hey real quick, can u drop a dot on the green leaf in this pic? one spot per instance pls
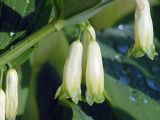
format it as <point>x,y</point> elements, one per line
<point>134,103</point>
<point>78,114</point>
<point>12,15</point>
<point>70,8</point>
<point>31,106</point>
<point>23,87</point>
<point>79,10</point>
<point>17,22</point>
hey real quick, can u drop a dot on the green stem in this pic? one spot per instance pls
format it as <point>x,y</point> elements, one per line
<point>1,77</point>
<point>28,43</point>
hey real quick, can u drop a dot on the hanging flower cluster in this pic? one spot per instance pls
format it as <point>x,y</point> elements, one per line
<point>85,61</point>
<point>9,99</point>
<point>92,68</point>
<point>143,31</point>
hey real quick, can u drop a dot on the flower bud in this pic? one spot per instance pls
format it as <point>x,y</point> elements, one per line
<point>94,74</point>
<point>91,31</point>
<point>88,35</point>
<point>2,105</point>
<point>143,31</point>
<point>11,94</point>
<point>85,42</point>
<point>72,73</point>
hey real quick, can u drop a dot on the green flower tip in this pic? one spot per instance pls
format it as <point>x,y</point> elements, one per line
<point>75,95</point>
<point>91,98</point>
<point>139,52</point>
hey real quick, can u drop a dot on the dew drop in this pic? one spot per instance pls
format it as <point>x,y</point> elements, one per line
<point>11,34</point>
<point>120,27</point>
<point>117,57</point>
<point>145,101</point>
<point>132,98</point>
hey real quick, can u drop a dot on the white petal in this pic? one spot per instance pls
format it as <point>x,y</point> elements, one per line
<point>11,94</point>
<point>2,105</point>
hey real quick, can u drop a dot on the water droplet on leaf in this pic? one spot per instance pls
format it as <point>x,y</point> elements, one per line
<point>145,101</point>
<point>132,98</point>
<point>117,57</point>
<point>11,34</point>
<point>120,27</point>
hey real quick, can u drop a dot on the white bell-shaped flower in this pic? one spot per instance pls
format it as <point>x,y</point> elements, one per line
<point>72,73</point>
<point>2,105</point>
<point>143,31</point>
<point>94,74</point>
<point>11,94</point>
<point>88,35</point>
